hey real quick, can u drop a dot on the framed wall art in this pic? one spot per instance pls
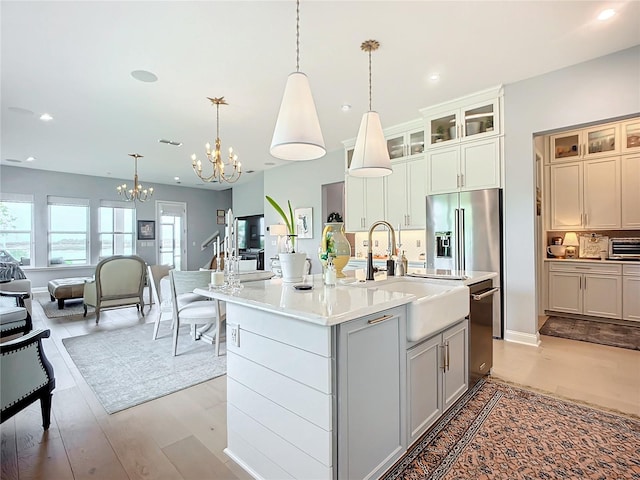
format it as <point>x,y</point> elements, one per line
<point>146,230</point>
<point>304,222</point>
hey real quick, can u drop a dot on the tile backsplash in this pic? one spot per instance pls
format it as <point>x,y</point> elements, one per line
<point>413,243</point>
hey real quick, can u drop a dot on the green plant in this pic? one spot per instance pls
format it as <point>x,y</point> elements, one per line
<point>288,221</point>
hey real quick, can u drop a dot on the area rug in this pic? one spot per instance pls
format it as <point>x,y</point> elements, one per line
<point>126,367</point>
<point>623,336</point>
<point>498,431</point>
<point>71,307</point>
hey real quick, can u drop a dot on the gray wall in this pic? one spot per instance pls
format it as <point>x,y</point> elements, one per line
<point>301,183</point>
<point>603,88</point>
<point>201,214</point>
<point>248,197</point>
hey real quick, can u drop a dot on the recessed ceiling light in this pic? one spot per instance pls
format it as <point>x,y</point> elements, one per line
<point>30,158</point>
<point>45,117</point>
<point>345,107</point>
<point>606,14</point>
<point>177,179</point>
<point>170,142</point>
<point>20,110</point>
<point>434,77</point>
<point>144,76</point>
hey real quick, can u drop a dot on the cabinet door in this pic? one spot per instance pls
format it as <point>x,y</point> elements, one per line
<point>631,298</point>
<point>354,204</point>
<point>424,388</point>
<point>396,195</point>
<point>602,193</point>
<point>371,394</point>
<point>373,200</point>
<point>480,165</point>
<point>396,146</point>
<point>630,187</point>
<point>565,146</point>
<point>602,295</point>
<point>630,136</point>
<point>566,196</point>
<point>443,128</point>
<point>443,168</point>
<point>415,140</point>
<point>565,292</point>
<point>416,193</point>
<point>480,120</point>
<point>456,373</point>
<point>601,141</point>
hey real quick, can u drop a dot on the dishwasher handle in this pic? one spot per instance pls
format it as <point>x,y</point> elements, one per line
<point>479,296</point>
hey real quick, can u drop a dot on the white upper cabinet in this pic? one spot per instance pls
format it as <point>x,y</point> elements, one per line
<point>630,136</point>
<point>469,118</point>
<point>405,140</point>
<point>591,142</point>
<point>405,191</point>
<point>630,198</point>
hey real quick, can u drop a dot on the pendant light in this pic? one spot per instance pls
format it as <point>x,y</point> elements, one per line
<point>370,155</point>
<point>297,135</point>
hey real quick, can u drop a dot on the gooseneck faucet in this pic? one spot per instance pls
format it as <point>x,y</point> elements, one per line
<point>370,249</point>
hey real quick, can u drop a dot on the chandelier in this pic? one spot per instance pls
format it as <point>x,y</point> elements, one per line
<point>138,192</point>
<point>215,158</point>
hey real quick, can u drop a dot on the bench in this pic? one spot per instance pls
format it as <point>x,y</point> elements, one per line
<point>62,289</point>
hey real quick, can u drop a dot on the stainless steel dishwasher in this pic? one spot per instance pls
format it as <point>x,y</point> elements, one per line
<point>480,329</point>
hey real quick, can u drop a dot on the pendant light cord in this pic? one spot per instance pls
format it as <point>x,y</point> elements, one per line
<point>217,121</point>
<point>370,80</point>
<point>297,35</point>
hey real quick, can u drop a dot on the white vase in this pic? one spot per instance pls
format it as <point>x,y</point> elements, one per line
<point>292,265</point>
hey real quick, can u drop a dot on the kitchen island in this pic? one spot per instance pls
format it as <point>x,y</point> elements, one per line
<point>319,381</point>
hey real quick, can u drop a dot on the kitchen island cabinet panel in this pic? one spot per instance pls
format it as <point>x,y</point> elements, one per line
<point>455,377</point>
<point>294,396</point>
<point>371,385</point>
<point>251,444</point>
<point>303,366</point>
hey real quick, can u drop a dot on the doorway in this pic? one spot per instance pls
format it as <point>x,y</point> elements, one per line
<point>172,219</point>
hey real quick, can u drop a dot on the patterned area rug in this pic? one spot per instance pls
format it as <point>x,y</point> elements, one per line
<point>623,336</point>
<point>126,367</point>
<point>499,431</point>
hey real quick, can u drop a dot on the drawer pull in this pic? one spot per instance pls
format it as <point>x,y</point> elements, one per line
<point>480,296</point>
<point>379,319</point>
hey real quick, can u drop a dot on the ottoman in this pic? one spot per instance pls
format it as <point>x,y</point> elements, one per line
<point>62,289</point>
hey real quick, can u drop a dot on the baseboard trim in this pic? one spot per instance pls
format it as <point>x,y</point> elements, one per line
<point>531,339</point>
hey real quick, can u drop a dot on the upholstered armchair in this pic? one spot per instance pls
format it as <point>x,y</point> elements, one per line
<point>25,376</point>
<point>155,273</point>
<point>14,316</point>
<point>119,282</point>
<point>20,286</point>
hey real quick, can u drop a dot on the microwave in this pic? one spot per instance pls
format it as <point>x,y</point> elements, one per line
<point>624,248</point>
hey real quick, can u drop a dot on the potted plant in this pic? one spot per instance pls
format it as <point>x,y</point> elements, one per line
<point>292,263</point>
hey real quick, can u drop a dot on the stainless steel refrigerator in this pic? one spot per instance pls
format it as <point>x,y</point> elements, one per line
<point>464,232</point>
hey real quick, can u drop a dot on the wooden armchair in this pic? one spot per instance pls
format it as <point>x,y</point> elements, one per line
<point>119,282</point>
<point>26,376</point>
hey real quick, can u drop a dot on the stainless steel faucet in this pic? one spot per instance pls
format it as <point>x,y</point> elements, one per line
<point>392,247</point>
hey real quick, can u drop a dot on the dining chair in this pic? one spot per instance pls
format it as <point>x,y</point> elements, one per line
<point>155,273</point>
<point>190,308</point>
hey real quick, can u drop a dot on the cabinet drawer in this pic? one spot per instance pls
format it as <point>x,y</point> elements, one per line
<point>603,269</point>
<point>631,269</point>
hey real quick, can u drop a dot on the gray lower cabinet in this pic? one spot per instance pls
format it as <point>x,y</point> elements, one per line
<point>437,376</point>
<point>371,377</point>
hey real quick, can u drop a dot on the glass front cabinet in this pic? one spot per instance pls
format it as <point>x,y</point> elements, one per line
<point>467,122</point>
<point>591,142</point>
<point>630,141</point>
<point>405,140</point>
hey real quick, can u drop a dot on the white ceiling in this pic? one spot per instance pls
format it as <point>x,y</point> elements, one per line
<point>74,59</point>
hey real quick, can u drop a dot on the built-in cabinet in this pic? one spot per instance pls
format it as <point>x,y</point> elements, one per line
<point>630,190</point>
<point>630,141</point>
<point>464,143</point>
<point>591,142</point>
<point>364,202</point>
<point>405,189</point>
<point>371,385</point>
<point>586,194</point>
<point>405,140</point>
<point>437,376</point>
<point>586,288</point>
<point>631,292</point>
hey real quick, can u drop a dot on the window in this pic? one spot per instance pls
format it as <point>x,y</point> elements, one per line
<point>68,231</point>
<point>117,220</point>
<point>16,225</point>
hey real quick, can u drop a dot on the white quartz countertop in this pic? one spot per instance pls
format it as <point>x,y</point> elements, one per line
<point>325,305</point>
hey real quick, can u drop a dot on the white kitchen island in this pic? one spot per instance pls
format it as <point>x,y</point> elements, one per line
<point>317,379</point>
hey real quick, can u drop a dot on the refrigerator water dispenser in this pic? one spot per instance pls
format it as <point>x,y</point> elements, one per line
<point>443,244</point>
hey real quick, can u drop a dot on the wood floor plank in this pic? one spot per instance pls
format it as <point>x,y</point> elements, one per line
<point>46,460</point>
<point>196,462</point>
<point>8,451</point>
<point>90,453</point>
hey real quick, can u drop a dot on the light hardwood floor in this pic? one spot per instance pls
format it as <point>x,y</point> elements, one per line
<point>182,435</point>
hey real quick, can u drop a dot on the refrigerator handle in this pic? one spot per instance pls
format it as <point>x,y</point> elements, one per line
<point>461,240</point>
<point>456,227</point>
